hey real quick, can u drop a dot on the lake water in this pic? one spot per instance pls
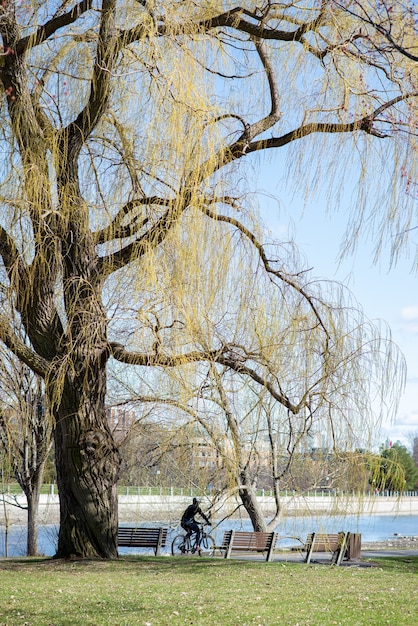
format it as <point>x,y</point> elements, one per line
<point>371,528</point>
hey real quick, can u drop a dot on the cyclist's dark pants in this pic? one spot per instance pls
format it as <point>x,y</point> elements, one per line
<point>191,527</point>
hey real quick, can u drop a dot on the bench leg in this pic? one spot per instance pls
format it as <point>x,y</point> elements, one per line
<point>272,546</point>
<point>310,549</point>
<point>342,549</point>
<point>159,542</point>
<point>229,548</point>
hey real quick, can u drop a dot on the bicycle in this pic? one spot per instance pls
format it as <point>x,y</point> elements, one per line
<point>184,544</point>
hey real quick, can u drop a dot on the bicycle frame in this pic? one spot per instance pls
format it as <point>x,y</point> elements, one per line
<point>191,536</point>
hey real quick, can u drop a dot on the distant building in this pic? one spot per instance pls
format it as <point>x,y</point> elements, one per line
<point>415,451</point>
<point>120,420</point>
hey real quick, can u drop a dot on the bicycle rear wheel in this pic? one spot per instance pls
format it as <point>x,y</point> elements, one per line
<point>207,546</point>
<point>178,547</point>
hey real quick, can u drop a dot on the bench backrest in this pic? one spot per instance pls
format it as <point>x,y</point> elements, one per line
<point>326,542</point>
<point>136,537</point>
<point>248,542</point>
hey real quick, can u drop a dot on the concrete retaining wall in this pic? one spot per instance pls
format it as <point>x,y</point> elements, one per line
<point>169,508</point>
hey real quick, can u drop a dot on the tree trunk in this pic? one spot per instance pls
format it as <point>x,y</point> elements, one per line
<point>248,496</point>
<point>87,463</point>
<point>32,497</point>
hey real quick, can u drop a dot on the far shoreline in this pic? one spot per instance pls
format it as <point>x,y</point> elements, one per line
<point>151,508</point>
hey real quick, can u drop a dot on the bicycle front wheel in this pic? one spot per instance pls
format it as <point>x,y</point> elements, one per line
<point>207,546</point>
<point>178,547</point>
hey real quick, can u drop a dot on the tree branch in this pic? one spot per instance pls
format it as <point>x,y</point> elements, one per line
<point>160,360</point>
<point>256,28</point>
<point>50,27</point>
<point>106,53</point>
<point>253,130</point>
<point>286,278</point>
<point>226,355</point>
<point>151,239</point>
<point>385,32</point>
<point>364,124</point>
<point>10,254</point>
<point>116,230</point>
<point>234,19</point>
<point>36,363</point>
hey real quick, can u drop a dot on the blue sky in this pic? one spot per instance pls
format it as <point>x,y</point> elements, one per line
<point>383,292</point>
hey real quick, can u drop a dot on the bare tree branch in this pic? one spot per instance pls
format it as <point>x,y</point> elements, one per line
<point>380,27</point>
<point>45,31</point>
<point>36,363</point>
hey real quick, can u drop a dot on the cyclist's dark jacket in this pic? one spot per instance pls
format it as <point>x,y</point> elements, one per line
<point>190,512</point>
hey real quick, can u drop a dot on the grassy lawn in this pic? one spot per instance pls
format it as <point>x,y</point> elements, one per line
<point>166,590</point>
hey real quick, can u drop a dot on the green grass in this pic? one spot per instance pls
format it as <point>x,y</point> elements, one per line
<point>205,592</point>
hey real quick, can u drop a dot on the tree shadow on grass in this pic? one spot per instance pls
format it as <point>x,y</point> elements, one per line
<point>194,565</point>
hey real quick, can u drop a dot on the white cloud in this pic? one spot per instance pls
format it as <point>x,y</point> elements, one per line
<point>409,313</point>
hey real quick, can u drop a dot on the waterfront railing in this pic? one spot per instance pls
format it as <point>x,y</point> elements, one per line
<point>149,490</point>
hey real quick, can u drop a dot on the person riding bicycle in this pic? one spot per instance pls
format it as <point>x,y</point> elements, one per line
<point>189,523</point>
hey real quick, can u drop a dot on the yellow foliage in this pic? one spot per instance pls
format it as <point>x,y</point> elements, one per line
<point>128,232</point>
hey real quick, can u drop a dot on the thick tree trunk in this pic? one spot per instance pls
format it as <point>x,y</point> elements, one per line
<point>87,463</point>
<point>248,496</point>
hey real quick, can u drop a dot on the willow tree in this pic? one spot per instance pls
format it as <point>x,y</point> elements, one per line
<point>304,384</point>
<point>123,124</point>
<point>25,435</point>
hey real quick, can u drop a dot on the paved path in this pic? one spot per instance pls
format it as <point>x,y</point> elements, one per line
<point>295,557</point>
<point>372,554</point>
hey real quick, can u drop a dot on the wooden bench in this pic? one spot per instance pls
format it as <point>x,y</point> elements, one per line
<point>136,537</point>
<point>336,544</point>
<point>241,541</point>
